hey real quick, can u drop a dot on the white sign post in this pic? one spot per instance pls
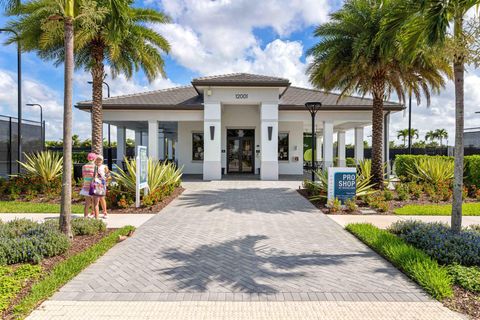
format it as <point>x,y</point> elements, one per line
<point>141,172</point>
<point>342,183</point>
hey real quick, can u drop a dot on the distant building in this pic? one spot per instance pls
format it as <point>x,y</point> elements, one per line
<point>472,137</point>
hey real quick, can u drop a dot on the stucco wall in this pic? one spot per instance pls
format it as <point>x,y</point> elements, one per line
<point>295,147</point>
<point>184,147</point>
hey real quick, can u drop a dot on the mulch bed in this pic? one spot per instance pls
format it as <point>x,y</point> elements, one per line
<point>79,244</point>
<point>464,302</point>
<point>395,204</point>
<point>153,209</point>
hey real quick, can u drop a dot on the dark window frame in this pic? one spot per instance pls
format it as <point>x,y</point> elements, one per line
<point>287,151</point>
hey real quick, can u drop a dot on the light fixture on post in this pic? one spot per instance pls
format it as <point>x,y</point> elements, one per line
<point>212,132</point>
<point>313,108</point>
<point>19,95</point>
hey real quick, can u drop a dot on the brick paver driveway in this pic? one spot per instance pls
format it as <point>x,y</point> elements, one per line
<point>242,241</point>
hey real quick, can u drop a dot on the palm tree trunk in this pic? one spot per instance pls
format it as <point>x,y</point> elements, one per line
<point>458,72</point>
<point>66,199</point>
<point>377,136</point>
<point>97,96</point>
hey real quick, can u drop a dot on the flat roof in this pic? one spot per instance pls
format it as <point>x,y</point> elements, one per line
<point>188,97</point>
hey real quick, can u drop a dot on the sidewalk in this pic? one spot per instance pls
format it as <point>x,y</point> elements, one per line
<point>113,221</point>
<point>384,221</point>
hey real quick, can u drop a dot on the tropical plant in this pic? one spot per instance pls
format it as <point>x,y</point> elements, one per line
<point>352,56</point>
<point>159,174</point>
<point>120,36</point>
<point>441,23</point>
<point>431,170</point>
<point>431,135</point>
<point>441,134</point>
<point>404,134</point>
<point>46,165</point>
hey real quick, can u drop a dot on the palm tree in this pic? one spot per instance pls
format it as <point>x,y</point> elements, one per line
<point>120,38</point>
<point>352,56</point>
<point>430,21</point>
<point>403,134</point>
<point>66,199</point>
<point>440,135</point>
<point>431,135</point>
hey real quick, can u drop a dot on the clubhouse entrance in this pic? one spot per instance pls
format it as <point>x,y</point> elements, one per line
<point>240,146</point>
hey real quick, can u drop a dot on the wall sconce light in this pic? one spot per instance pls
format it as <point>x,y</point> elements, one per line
<point>209,92</point>
<point>212,132</point>
<point>270,131</point>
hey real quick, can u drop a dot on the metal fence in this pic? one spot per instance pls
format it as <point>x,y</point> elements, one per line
<point>32,141</point>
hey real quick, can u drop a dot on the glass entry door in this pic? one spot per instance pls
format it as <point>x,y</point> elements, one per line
<point>240,145</point>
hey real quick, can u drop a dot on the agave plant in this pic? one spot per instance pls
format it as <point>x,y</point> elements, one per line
<point>159,174</point>
<point>363,181</point>
<point>46,165</point>
<point>433,170</point>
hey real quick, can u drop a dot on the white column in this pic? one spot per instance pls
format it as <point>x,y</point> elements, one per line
<point>341,149</point>
<point>161,146</point>
<point>212,164</point>
<point>358,144</point>
<point>153,139</point>
<point>318,147</point>
<point>327,144</point>
<point>269,145</point>
<point>121,144</point>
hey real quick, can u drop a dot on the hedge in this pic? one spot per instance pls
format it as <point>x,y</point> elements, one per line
<point>471,165</point>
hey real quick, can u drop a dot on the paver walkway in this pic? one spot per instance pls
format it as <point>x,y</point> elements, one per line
<point>256,243</point>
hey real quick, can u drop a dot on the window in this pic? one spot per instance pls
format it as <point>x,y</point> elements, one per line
<point>283,146</point>
<point>197,146</point>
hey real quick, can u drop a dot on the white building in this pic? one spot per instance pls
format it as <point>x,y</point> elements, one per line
<point>239,123</point>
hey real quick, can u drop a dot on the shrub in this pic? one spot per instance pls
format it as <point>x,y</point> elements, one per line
<point>472,170</point>
<point>440,242</point>
<point>46,165</point>
<point>415,263</point>
<point>22,241</point>
<point>383,206</point>
<point>431,170</point>
<point>85,226</point>
<point>351,205</point>
<point>160,174</point>
<point>334,205</point>
<point>388,195</point>
<point>415,189</point>
<point>402,191</point>
<point>475,227</point>
<point>466,277</point>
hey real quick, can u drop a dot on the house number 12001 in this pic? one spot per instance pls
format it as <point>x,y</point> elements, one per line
<point>241,96</point>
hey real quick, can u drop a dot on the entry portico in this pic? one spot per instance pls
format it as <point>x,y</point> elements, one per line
<point>239,123</point>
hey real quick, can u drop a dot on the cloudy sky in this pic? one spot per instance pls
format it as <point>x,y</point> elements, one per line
<point>215,37</point>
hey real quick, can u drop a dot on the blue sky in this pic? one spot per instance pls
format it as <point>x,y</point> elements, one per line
<point>214,37</point>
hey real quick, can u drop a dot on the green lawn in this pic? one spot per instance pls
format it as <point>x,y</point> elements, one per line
<point>469,209</point>
<point>28,207</point>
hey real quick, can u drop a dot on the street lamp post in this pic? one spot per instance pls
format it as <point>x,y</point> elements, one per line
<point>19,94</point>
<point>313,108</point>
<point>109,150</point>
<point>410,124</point>
<point>41,121</point>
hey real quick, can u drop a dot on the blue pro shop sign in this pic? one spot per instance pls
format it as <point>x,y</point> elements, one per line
<point>342,183</point>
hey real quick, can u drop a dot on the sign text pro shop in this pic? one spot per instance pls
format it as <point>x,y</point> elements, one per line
<point>342,183</point>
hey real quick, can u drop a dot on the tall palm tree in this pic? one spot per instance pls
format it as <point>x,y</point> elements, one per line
<point>441,23</point>
<point>352,56</point>
<point>66,199</point>
<point>440,135</point>
<point>121,38</point>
